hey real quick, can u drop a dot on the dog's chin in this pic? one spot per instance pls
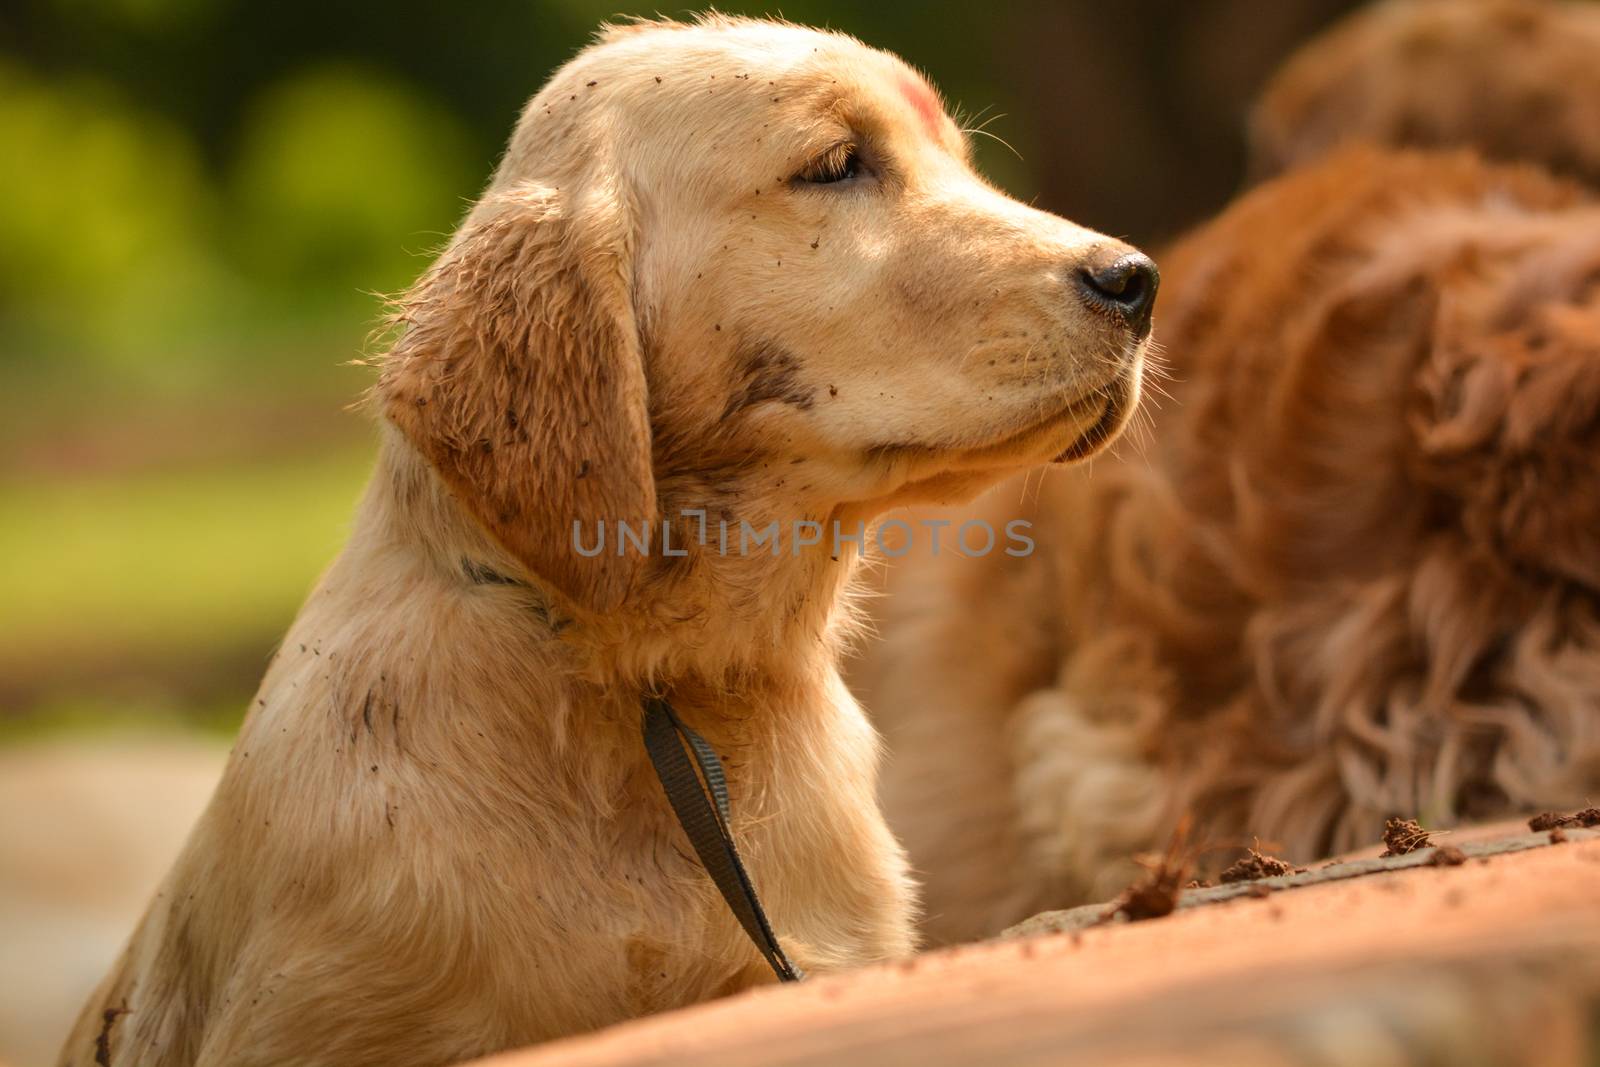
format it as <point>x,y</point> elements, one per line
<point>953,475</point>
<point>1073,432</point>
<point>1116,404</point>
<point>1084,427</point>
<point>1055,436</point>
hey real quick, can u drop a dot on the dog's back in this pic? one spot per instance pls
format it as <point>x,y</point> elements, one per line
<point>1518,80</point>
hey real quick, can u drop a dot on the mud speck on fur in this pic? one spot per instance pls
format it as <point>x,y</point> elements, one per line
<point>482,574</point>
<point>102,1041</point>
<point>1155,893</point>
<point>1401,836</point>
<point>1255,865</point>
<point>768,372</point>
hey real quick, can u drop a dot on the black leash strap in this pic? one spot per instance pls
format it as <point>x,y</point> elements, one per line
<point>700,800</point>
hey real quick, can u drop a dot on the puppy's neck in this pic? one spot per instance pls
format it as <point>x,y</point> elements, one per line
<point>718,602</point>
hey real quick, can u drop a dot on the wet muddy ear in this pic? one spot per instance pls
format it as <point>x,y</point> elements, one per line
<point>519,377</point>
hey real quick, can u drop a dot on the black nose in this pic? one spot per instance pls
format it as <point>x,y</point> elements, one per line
<point>1127,285</point>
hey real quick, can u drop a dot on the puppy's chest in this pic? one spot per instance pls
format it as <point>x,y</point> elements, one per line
<point>591,894</point>
<point>633,927</point>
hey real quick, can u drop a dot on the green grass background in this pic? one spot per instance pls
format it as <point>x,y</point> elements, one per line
<point>168,566</point>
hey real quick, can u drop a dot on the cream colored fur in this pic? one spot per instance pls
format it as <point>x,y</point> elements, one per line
<point>438,835</point>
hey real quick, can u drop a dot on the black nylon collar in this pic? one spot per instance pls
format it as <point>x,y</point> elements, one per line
<point>700,800</point>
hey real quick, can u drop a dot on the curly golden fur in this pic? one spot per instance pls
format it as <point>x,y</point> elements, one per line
<point>1518,80</point>
<point>1354,573</point>
<point>737,268</point>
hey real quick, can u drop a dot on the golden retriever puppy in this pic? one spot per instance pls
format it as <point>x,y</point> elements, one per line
<point>1355,572</point>
<point>1517,79</point>
<point>732,275</point>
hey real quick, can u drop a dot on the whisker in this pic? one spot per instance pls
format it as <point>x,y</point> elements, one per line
<point>1044,472</point>
<point>1002,140</point>
<point>984,124</point>
<point>962,118</point>
<point>1022,497</point>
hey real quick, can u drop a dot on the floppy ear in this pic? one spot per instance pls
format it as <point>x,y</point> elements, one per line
<point>519,377</point>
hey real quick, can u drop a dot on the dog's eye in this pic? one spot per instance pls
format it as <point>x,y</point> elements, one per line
<point>838,164</point>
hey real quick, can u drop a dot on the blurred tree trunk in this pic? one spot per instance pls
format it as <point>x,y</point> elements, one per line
<point>1137,110</point>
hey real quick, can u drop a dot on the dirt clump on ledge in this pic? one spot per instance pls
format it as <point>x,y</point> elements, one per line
<point>1401,836</point>
<point>1155,893</point>
<point>1256,864</point>
<point>1553,820</point>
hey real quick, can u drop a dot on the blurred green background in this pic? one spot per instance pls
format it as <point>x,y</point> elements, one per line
<point>200,198</point>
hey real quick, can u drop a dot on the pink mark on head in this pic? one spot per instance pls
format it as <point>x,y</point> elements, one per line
<point>925,103</point>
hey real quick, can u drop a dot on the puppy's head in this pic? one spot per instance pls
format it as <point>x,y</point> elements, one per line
<point>744,254</point>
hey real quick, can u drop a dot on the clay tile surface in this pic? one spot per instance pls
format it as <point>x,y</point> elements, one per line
<point>1488,954</point>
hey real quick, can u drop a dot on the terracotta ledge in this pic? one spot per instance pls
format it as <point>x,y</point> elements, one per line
<point>1365,962</point>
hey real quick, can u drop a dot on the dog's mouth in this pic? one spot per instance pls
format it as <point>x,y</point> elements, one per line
<point>1114,402</point>
<point>1093,420</point>
<point>1084,415</point>
<point>1071,433</point>
<point>1097,418</point>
